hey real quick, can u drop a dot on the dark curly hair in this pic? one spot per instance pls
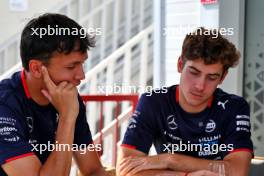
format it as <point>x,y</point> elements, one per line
<point>210,46</point>
<point>43,47</point>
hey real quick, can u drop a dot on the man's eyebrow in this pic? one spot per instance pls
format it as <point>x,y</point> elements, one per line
<point>77,62</point>
<point>194,68</point>
<point>214,74</point>
<point>210,74</point>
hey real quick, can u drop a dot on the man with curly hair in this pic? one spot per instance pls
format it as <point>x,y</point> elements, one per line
<point>194,124</point>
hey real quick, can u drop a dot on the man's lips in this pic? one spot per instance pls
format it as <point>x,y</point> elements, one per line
<point>196,95</point>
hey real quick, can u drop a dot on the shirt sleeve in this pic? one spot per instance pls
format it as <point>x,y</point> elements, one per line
<point>237,133</point>
<point>140,131</point>
<point>13,143</point>
<point>82,133</point>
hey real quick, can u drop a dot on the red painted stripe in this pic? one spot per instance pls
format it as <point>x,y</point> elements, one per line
<point>19,156</point>
<point>128,146</point>
<point>24,83</point>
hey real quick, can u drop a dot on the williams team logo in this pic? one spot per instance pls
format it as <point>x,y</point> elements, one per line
<point>132,123</point>
<point>210,126</point>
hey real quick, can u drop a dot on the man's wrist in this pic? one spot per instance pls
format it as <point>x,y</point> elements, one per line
<point>167,158</point>
<point>69,118</point>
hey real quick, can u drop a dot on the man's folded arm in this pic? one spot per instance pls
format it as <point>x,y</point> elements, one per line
<point>58,162</point>
<point>237,162</point>
<point>89,163</point>
<point>126,153</point>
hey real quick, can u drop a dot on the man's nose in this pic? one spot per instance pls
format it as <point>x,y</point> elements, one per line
<point>200,84</point>
<point>80,74</point>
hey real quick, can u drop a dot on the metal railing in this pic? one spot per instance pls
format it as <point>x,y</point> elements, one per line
<point>108,129</point>
<point>112,129</point>
<point>119,66</point>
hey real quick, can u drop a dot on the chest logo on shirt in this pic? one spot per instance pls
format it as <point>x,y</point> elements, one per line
<point>222,104</point>
<point>30,124</point>
<point>132,123</point>
<point>171,122</point>
<point>210,126</point>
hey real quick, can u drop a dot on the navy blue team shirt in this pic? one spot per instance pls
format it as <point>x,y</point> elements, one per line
<point>223,127</point>
<point>24,123</point>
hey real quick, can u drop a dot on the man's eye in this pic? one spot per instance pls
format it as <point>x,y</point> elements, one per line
<point>212,78</point>
<point>70,67</point>
<point>194,72</point>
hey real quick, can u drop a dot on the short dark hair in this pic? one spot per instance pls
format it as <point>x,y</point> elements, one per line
<point>210,46</point>
<point>42,48</point>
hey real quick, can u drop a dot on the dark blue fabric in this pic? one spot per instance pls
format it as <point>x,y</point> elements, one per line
<point>159,120</point>
<point>23,122</point>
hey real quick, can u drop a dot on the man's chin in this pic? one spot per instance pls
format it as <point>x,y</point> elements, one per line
<point>195,102</point>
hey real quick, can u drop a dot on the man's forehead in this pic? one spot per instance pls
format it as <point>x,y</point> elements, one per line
<point>71,57</point>
<point>199,65</point>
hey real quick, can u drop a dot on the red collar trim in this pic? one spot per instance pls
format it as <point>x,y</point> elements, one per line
<point>24,83</point>
<point>177,94</point>
<point>209,104</point>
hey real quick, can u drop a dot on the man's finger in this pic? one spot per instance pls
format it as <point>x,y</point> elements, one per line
<point>124,163</point>
<point>62,85</point>
<point>46,94</point>
<point>123,160</point>
<point>137,168</point>
<point>69,86</point>
<point>131,165</point>
<point>49,83</point>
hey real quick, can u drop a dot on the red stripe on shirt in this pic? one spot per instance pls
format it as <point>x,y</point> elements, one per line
<point>19,156</point>
<point>243,150</point>
<point>128,146</point>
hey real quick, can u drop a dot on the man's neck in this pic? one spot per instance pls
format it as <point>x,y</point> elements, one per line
<point>34,89</point>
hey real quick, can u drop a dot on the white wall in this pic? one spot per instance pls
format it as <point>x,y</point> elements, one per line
<point>12,21</point>
<point>232,14</point>
<point>183,16</point>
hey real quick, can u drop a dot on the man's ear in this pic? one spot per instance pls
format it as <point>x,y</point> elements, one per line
<point>180,64</point>
<point>35,68</point>
<point>223,77</point>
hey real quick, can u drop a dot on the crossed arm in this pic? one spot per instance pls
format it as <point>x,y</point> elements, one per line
<point>132,161</point>
<point>58,163</point>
